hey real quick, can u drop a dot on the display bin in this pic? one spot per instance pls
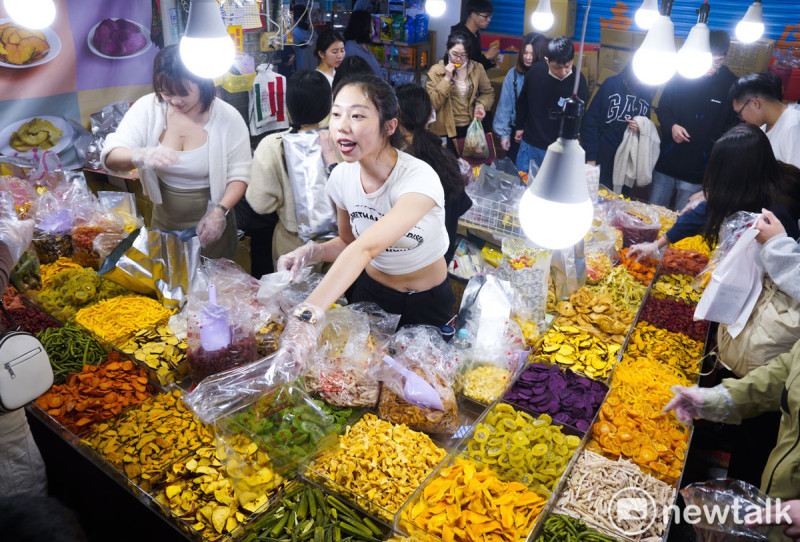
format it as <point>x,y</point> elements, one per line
<point>404,525</point>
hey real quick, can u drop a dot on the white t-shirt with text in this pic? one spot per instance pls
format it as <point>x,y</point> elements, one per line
<point>785,137</point>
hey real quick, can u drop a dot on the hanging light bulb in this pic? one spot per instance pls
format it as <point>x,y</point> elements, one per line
<point>656,62</point>
<point>435,8</point>
<point>555,211</point>
<point>647,14</point>
<point>751,26</point>
<point>206,48</point>
<point>694,58</point>
<point>33,14</point>
<point>542,18</point>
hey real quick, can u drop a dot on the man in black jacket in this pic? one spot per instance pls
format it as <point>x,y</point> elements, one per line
<point>693,114</point>
<point>546,83</point>
<point>479,15</point>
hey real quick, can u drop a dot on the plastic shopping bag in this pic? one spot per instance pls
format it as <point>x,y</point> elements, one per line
<point>475,141</point>
<point>735,285</point>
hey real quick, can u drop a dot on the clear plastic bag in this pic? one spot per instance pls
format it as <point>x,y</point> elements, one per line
<point>56,213</point>
<point>599,257</point>
<point>637,221</point>
<point>475,142</point>
<point>422,350</point>
<point>21,192</point>
<point>84,236</point>
<point>729,233</point>
<point>738,500</point>
<point>489,369</point>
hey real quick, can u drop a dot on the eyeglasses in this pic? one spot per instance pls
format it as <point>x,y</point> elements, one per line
<point>484,15</point>
<point>458,56</point>
<point>739,113</point>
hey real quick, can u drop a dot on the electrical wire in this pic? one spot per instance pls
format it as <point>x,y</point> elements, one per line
<point>580,54</point>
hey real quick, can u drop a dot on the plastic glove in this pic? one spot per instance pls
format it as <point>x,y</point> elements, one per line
<point>643,250</point>
<point>153,157</point>
<point>788,514</point>
<point>211,226</point>
<point>306,255</point>
<point>17,235</point>
<point>298,340</point>
<point>713,404</point>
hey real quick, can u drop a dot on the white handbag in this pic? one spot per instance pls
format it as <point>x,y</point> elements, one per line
<point>25,371</point>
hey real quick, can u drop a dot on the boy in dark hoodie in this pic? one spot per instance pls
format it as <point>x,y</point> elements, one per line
<point>479,15</point>
<point>693,113</point>
<point>620,98</point>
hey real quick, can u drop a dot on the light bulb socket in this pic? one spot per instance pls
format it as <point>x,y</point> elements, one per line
<point>205,20</point>
<point>572,110</point>
<point>666,7</point>
<point>702,14</point>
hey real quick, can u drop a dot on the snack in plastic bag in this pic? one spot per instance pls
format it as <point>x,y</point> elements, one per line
<point>489,371</point>
<point>475,142</point>
<point>638,223</point>
<point>422,350</point>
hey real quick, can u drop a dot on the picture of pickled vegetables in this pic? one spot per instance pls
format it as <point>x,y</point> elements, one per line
<point>20,45</point>
<point>36,132</point>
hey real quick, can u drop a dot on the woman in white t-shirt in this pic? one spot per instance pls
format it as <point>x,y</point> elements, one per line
<point>392,236</point>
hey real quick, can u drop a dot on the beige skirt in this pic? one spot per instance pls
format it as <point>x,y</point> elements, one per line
<point>183,209</point>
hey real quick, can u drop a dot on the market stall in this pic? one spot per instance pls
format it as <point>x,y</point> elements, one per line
<point>534,421</point>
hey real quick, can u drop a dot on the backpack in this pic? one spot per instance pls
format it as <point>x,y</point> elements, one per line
<point>25,371</point>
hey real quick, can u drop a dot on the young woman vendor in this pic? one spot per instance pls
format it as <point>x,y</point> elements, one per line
<point>392,236</point>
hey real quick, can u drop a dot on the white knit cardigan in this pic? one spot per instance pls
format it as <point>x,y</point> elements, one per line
<point>229,152</point>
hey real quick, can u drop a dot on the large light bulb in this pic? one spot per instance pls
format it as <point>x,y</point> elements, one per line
<point>206,48</point>
<point>694,58</point>
<point>751,26</point>
<point>435,8</point>
<point>33,14</point>
<point>647,14</point>
<point>656,62</point>
<point>556,211</point>
<point>542,17</point>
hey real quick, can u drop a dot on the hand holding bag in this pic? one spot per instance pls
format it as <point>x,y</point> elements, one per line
<point>25,371</point>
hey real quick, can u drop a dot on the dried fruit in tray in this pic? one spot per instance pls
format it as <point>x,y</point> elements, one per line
<point>70,348</point>
<point>675,316</point>
<point>665,347</point>
<point>626,292</point>
<point>27,318</point>
<point>485,383</point>
<point>305,512</point>
<point>642,270</point>
<point>142,441</point>
<point>73,289</point>
<point>395,409</point>
<point>630,422</point>
<point>158,348</point>
<point>683,262</point>
<point>569,398</point>
<point>677,286</point>
<point>576,349</point>
<point>596,487</point>
<point>115,319</point>
<point>470,502</point>
<point>206,489</point>
<point>696,243</point>
<point>532,450</point>
<point>50,270</point>
<point>561,527</point>
<point>95,394</point>
<point>380,462</point>
<point>596,314</point>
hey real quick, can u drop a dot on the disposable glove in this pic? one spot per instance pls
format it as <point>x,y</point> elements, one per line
<point>17,235</point>
<point>298,341</point>
<point>643,250</point>
<point>211,226</point>
<point>153,157</point>
<point>713,404</point>
<point>306,255</point>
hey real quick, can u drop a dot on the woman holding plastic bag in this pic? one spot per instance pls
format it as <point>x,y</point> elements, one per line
<point>459,89</point>
<point>392,238</point>
<point>192,152</point>
<point>742,175</point>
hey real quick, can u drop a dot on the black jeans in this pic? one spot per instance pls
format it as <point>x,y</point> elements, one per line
<point>431,307</point>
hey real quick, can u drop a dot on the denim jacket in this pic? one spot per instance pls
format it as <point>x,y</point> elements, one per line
<point>506,111</point>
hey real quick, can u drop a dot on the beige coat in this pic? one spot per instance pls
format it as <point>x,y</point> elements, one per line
<point>439,90</point>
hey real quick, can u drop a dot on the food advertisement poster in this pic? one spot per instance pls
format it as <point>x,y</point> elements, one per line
<point>93,54</point>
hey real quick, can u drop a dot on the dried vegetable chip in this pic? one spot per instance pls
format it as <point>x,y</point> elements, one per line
<point>532,450</point>
<point>469,502</point>
<point>675,316</point>
<point>596,486</point>
<point>305,512</point>
<point>485,383</point>
<point>678,286</point>
<point>683,262</point>
<point>380,462</point>
<point>117,318</point>
<point>596,313</point>
<point>142,441</point>
<point>696,243</point>
<point>642,270</point>
<point>200,489</point>
<point>95,394</point>
<point>630,422</point>
<point>575,348</point>
<point>158,348</point>
<point>626,292</point>
<point>561,528</point>
<point>665,347</point>
<point>395,409</point>
<point>568,397</point>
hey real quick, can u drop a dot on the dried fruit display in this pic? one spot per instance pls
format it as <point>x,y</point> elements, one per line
<point>158,348</point>
<point>596,314</point>
<point>572,347</point>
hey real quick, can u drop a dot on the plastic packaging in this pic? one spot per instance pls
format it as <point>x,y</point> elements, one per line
<point>475,142</point>
<point>729,233</point>
<point>638,223</point>
<point>488,370</point>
